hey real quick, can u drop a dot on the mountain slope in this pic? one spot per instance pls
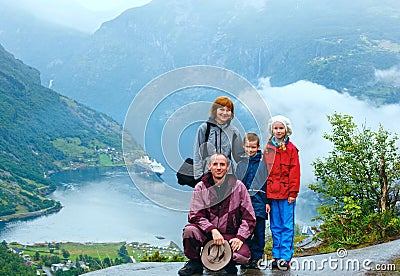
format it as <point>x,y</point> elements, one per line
<point>351,47</point>
<point>340,45</point>
<point>42,132</point>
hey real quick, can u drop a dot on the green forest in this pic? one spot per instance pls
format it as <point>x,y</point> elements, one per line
<point>12,264</point>
<point>42,132</point>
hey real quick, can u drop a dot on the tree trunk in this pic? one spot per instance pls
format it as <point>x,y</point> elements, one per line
<point>383,177</point>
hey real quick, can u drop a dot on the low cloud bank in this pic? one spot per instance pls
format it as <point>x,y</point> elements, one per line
<point>389,77</point>
<point>307,105</point>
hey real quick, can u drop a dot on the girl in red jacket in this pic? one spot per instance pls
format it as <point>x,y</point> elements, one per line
<point>283,183</point>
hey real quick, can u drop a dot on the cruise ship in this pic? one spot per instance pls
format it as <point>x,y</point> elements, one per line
<point>145,164</point>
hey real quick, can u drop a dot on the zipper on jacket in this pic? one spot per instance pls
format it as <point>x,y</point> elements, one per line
<point>220,140</point>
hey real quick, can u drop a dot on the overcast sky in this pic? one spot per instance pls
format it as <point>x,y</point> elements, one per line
<point>84,15</point>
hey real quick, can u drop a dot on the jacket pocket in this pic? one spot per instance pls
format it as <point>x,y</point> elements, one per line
<point>273,187</point>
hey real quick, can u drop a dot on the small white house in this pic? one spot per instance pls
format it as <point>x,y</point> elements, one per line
<point>55,267</point>
<point>17,251</point>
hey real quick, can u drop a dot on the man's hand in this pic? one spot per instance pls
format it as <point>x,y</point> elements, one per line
<point>217,237</point>
<point>267,208</point>
<point>235,244</point>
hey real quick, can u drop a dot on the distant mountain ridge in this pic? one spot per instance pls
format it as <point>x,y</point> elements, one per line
<point>42,132</point>
<point>352,47</point>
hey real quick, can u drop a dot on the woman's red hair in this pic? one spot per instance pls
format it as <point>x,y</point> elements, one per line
<point>221,101</point>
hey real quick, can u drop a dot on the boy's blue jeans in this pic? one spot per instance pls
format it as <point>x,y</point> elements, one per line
<point>282,228</point>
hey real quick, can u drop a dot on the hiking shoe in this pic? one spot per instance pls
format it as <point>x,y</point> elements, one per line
<point>283,265</point>
<point>192,267</point>
<point>274,264</point>
<point>231,268</point>
<point>252,264</point>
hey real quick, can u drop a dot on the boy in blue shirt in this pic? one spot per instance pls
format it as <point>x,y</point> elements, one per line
<point>252,171</point>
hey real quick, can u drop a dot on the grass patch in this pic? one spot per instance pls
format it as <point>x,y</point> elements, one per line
<point>95,250</point>
<point>71,147</point>
<point>105,160</point>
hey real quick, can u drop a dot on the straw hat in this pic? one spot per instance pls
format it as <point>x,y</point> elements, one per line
<point>215,257</point>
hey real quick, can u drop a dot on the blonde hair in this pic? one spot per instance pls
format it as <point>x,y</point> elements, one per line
<point>221,101</point>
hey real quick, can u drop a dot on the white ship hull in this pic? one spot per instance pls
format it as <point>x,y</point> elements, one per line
<point>145,164</point>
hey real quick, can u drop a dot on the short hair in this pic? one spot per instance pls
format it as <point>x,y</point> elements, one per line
<point>219,153</point>
<point>221,101</point>
<point>251,137</point>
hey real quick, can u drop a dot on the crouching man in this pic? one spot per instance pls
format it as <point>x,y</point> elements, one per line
<point>220,209</point>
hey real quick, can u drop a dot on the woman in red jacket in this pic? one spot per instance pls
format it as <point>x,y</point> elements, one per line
<point>283,183</point>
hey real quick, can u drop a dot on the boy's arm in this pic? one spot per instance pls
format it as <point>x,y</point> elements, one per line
<point>239,172</point>
<point>264,175</point>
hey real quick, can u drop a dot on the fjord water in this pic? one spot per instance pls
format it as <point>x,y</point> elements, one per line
<point>104,205</point>
<point>100,205</point>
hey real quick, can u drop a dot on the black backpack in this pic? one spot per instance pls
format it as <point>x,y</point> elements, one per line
<point>185,173</point>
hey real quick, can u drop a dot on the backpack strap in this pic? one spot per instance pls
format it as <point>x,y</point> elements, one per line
<point>208,131</point>
<point>204,149</point>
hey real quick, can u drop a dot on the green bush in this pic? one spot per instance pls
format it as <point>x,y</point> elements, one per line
<point>351,226</point>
